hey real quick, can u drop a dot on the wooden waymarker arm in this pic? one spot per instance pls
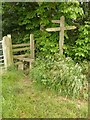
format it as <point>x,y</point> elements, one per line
<point>56,21</point>
<point>70,27</point>
<point>59,28</point>
<point>53,29</point>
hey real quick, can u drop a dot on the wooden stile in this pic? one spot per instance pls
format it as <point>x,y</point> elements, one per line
<point>24,57</point>
<point>10,50</point>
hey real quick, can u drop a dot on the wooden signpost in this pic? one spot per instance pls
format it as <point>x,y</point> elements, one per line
<point>61,31</point>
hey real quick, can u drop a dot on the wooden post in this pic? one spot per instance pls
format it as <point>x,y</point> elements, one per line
<point>31,46</point>
<point>61,31</point>
<point>20,66</point>
<point>32,54</point>
<point>61,35</point>
<point>7,51</point>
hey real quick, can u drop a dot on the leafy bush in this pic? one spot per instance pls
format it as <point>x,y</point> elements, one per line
<point>82,47</point>
<point>86,69</point>
<point>34,17</point>
<point>61,74</point>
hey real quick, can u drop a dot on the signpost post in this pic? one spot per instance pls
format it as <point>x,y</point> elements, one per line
<point>61,31</point>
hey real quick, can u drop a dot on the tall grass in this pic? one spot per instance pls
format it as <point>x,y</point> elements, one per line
<point>62,75</point>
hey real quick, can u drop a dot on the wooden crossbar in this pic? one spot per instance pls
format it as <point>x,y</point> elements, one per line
<point>21,45</point>
<point>17,63</point>
<point>21,49</point>
<point>25,59</point>
<point>16,56</point>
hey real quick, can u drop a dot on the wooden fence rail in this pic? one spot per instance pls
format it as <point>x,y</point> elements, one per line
<point>21,45</point>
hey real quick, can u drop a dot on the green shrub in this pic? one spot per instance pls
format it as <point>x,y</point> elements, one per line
<point>61,74</point>
<point>86,69</point>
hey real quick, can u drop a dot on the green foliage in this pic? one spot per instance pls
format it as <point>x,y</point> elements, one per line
<point>20,19</point>
<point>62,75</point>
<point>82,47</point>
<point>86,69</point>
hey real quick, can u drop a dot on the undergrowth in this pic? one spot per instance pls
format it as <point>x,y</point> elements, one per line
<point>62,75</point>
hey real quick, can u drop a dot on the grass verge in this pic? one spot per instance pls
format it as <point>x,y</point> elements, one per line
<point>23,99</point>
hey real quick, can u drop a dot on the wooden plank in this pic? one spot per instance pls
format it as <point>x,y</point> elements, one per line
<point>21,45</point>
<point>18,63</point>
<point>56,21</point>
<point>1,49</point>
<point>61,35</point>
<point>70,27</point>
<point>25,59</point>
<point>16,56</point>
<point>59,28</point>
<point>53,29</point>
<point>21,49</point>
<point>0,41</point>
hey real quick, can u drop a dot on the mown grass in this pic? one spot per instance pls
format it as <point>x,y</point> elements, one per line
<point>25,99</point>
